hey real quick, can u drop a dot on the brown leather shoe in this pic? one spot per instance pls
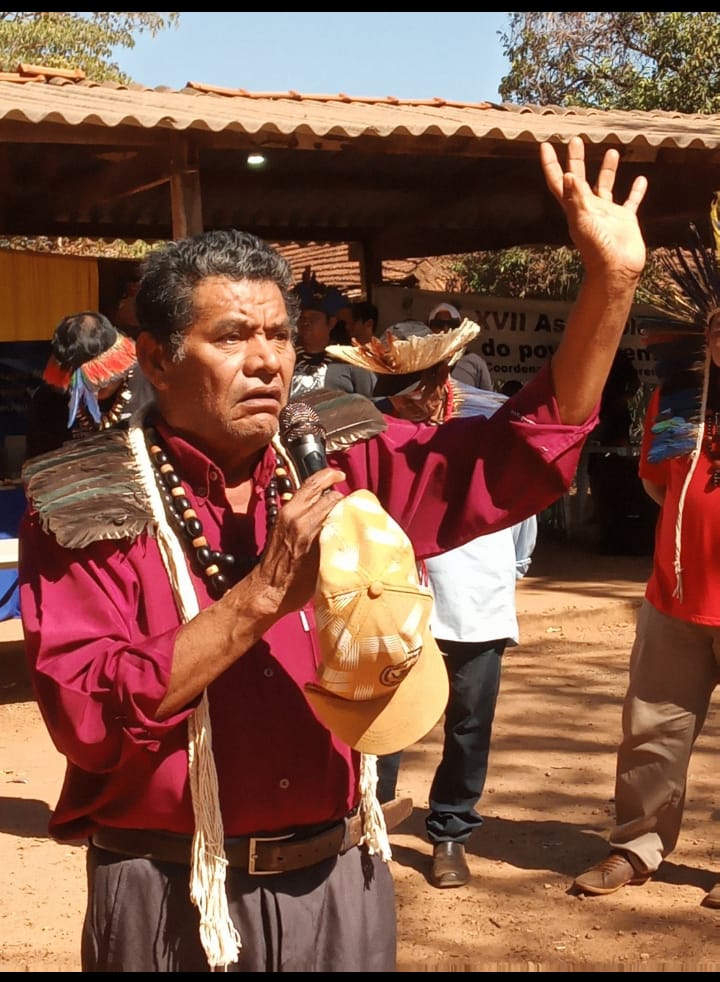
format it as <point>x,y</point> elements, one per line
<point>449,868</point>
<point>619,869</point>
<point>713,898</point>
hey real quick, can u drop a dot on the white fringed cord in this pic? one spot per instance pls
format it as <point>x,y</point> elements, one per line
<point>218,935</point>
<point>374,834</point>
<point>694,458</point>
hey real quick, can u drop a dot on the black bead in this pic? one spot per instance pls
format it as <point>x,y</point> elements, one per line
<point>284,485</point>
<point>219,584</point>
<point>180,504</point>
<point>193,527</point>
<point>204,556</point>
<point>171,479</point>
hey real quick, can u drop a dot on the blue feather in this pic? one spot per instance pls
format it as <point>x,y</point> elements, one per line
<point>81,393</point>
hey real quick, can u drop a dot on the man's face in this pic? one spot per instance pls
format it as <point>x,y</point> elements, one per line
<point>313,330</point>
<point>226,390</point>
<point>359,330</point>
<point>443,321</point>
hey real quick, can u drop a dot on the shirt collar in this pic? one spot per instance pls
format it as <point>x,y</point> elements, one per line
<point>195,468</point>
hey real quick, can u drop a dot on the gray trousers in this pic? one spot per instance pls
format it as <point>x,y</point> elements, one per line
<point>337,916</point>
<point>674,668</point>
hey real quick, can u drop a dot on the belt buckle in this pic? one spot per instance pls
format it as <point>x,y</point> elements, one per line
<point>252,855</point>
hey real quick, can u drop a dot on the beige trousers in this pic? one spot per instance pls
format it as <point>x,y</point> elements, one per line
<point>674,668</point>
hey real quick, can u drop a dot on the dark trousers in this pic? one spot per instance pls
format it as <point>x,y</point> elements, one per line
<point>474,673</point>
<point>337,916</point>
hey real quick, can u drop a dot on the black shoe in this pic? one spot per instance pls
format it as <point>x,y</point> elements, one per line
<point>449,868</point>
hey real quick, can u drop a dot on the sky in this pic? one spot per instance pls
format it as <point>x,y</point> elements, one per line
<point>455,56</point>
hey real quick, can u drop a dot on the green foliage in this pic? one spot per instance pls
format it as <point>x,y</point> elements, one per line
<point>648,60</point>
<point>67,39</point>
<point>523,273</point>
<point>533,274</point>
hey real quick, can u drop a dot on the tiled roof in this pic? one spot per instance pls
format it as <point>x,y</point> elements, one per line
<point>333,265</point>
<point>67,96</point>
<point>406,177</point>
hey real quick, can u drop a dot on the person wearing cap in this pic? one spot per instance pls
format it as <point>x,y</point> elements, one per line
<point>315,368</point>
<point>220,753</point>
<point>471,369</point>
<point>90,383</point>
<point>474,621</point>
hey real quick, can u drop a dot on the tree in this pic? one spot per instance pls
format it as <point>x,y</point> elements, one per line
<point>67,39</point>
<point>538,273</point>
<point>648,60</point>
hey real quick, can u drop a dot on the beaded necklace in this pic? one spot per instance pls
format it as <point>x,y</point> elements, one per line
<point>220,569</point>
<point>112,417</point>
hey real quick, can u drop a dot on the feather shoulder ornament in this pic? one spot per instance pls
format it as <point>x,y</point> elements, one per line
<point>89,490</point>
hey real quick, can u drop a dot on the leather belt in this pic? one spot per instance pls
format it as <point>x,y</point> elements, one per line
<point>257,855</point>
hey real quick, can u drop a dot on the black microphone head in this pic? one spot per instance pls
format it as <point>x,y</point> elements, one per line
<point>298,420</point>
<point>303,435</point>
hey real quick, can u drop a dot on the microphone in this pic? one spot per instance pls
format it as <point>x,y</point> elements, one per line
<point>303,435</point>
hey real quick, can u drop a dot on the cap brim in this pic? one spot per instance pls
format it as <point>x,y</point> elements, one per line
<point>383,726</point>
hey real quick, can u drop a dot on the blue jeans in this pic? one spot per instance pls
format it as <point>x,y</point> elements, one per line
<point>474,673</point>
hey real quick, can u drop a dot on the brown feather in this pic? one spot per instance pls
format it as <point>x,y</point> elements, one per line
<point>89,489</point>
<point>346,417</point>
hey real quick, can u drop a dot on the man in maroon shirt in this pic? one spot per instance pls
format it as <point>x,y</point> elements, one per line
<point>167,577</point>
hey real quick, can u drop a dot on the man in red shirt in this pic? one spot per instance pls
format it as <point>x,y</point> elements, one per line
<point>166,596</point>
<point>673,670</point>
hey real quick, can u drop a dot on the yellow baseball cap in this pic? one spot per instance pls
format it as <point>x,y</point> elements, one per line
<point>382,683</point>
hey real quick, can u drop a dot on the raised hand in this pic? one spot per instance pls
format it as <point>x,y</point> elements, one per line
<point>605,233</point>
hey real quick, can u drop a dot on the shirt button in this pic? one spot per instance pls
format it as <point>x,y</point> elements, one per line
<point>284,783</point>
<point>213,475</point>
<point>202,491</point>
<point>268,673</point>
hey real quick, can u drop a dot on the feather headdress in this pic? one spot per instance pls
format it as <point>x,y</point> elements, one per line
<point>84,381</point>
<point>687,298</point>
<point>393,356</point>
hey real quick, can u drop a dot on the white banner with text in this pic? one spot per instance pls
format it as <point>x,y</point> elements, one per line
<point>517,336</point>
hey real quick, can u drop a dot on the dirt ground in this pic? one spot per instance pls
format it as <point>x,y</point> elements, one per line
<point>547,806</point>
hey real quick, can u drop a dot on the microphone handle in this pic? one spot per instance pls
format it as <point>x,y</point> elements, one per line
<point>308,455</point>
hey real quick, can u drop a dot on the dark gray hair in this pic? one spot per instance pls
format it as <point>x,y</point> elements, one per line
<point>170,273</point>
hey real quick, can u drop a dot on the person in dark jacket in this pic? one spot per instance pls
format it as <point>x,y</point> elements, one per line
<point>315,368</point>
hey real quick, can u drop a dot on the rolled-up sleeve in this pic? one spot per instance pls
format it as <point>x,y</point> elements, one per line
<point>448,484</point>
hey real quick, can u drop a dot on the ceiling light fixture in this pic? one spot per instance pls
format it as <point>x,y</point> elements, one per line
<point>256,160</point>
